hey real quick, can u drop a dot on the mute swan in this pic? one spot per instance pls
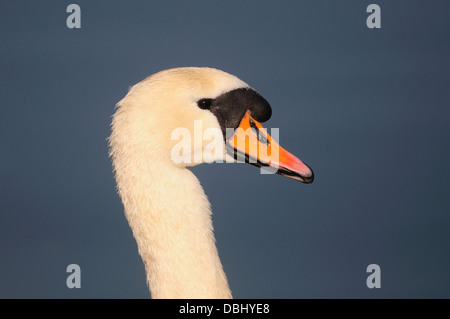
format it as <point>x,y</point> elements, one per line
<point>164,202</point>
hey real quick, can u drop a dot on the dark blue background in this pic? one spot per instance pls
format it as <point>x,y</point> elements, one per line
<point>367,109</point>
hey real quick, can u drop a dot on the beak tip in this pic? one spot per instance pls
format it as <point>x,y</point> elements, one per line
<point>308,179</point>
<point>303,177</point>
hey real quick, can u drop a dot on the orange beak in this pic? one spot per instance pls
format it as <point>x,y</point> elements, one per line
<point>251,143</point>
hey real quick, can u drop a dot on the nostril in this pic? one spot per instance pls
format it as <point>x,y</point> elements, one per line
<point>259,135</point>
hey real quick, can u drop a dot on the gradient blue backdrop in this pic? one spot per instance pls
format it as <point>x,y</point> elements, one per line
<point>367,109</point>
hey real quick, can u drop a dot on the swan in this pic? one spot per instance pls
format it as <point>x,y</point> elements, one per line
<point>164,203</point>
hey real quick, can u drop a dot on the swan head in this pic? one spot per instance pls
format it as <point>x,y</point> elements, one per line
<point>186,116</point>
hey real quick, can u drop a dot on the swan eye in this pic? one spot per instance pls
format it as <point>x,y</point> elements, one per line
<point>205,104</point>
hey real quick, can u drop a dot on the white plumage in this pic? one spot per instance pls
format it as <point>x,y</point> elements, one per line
<point>164,202</point>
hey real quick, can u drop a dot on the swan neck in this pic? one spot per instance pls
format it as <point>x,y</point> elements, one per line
<point>170,217</point>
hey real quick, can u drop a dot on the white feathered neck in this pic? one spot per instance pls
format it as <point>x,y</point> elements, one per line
<point>165,204</point>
